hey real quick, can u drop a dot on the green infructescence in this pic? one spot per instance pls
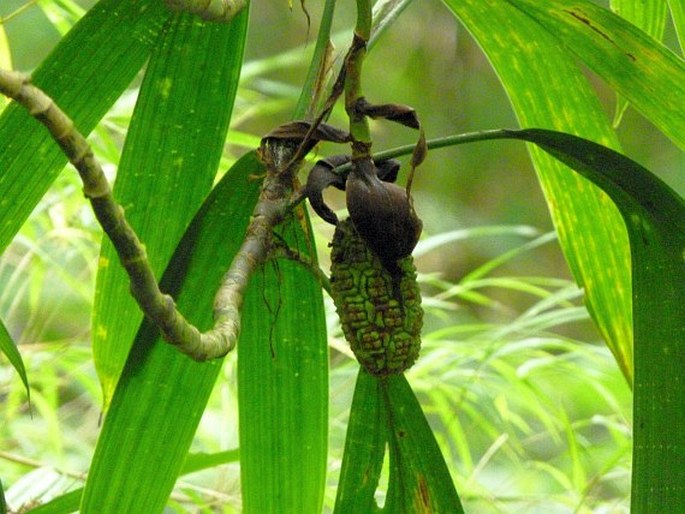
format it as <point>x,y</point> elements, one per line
<point>384,333</point>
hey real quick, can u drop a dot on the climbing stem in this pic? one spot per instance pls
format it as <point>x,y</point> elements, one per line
<point>159,307</point>
<point>359,125</point>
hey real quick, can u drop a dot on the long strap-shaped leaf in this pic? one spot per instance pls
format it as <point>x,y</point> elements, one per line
<point>384,412</point>
<point>197,96</point>
<point>547,90</point>
<point>283,388</point>
<point>84,75</point>
<point>655,218</point>
<point>169,161</point>
<point>646,73</point>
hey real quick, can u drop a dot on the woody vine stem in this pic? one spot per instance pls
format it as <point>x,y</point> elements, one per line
<point>281,161</point>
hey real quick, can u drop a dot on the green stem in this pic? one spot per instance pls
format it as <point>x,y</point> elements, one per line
<point>313,83</point>
<point>364,19</point>
<point>434,144</point>
<point>359,125</point>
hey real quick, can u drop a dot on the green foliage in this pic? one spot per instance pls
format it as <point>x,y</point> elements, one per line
<point>173,144</point>
<point>386,417</point>
<point>507,405</point>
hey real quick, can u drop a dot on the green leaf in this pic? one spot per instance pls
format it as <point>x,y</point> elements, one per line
<point>162,393</point>
<point>85,74</point>
<point>169,162</point>
<point>678,13</point>
<point>64,504</point>
<point>283,387</point>
<point>547,89</point>
<point>313,87</point>
<point>3,503</point>
<point>650,17</point>
<point>647,74</point>
<point>9,348</point>
<point>69,502</point>
<point>365,444</point>
<point>199,461</point>
<point>655,218</point>
<point>385,411</point>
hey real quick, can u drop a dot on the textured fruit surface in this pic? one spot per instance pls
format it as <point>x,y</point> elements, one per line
<point>384,333</point>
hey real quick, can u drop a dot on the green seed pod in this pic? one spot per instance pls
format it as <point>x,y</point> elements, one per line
<point>384,333</point>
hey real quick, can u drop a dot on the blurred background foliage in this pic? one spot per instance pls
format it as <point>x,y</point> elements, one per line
<point>530,408</point>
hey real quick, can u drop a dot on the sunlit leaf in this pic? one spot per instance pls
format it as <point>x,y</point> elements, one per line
<point>678,13</point>
<point>647,74</point>
<point>170,158</point>
<point>85,74</point>
<point>649,16</point>
<point>547,90</point>
<point>9,348</point>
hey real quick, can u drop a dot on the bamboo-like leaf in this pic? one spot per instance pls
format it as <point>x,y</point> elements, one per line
<point>162,393</point>
<point>650,17</point>
<point>5,59</point>
<point>364,448</point>
<point>199,461</point>
<point>283,388</point>
<point>168,165</point>
<point>64,504</point>
<point>678,14</point>
<point>85,74</point>
<point>69,502</point>
<point>547,90</point>
<point>283,359</point>
<point>655,218</point>
<point>419,478</point>
<point>3,503</point>
<point>314,83</point>
<point>9,348</point>
<point>384,412</point>
<point>647,74</point>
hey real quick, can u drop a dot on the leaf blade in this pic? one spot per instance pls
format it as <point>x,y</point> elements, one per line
<point>283,386</point>
<point>9,348</point>
<point>655,218</point>
<point>547,90</point>
<point>645,72</point>
<point>173,146</point>
<point>386,414</point>
<point>85,74</point>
